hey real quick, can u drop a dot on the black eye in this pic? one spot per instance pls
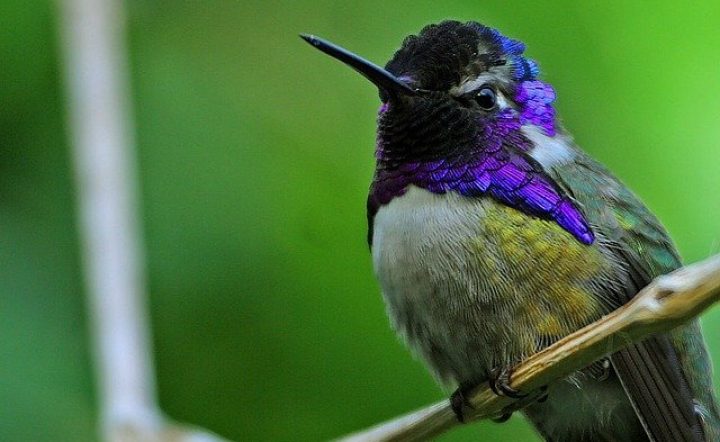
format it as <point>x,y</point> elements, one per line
<point>486,98</point>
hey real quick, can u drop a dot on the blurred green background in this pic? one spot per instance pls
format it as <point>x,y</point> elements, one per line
<point>255,155</point>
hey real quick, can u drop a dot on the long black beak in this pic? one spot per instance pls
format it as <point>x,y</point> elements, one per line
<point>381,78</point>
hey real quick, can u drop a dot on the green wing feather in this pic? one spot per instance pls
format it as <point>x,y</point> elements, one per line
<point>668,377</point>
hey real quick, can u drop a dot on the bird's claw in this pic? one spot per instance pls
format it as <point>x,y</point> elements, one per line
<point>500,383</point>
<point>459,400</point>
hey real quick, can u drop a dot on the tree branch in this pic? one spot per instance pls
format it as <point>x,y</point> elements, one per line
<point>666,303</point>
<point>96,77</point>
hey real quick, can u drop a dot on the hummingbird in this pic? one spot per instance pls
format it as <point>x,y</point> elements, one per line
<point>493,235</point>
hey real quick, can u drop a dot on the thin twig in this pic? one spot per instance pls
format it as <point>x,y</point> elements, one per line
<point>97,90</point>
<point>667,302</point>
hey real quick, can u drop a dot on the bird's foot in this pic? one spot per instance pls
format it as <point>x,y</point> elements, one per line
<point>459,399</point>
<point>500,385</point>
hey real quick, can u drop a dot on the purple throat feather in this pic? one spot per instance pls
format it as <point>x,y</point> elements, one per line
<point>500,166</point>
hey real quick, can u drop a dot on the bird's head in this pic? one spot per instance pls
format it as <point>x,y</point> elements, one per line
<point>463,110</point>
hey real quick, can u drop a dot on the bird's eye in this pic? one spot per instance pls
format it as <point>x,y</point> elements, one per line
<point>486,98</point>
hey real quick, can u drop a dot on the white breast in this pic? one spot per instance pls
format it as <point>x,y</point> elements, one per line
<point>420,233</point>
<point>429,273</point>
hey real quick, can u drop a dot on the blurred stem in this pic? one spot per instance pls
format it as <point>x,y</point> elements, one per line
<point>666,303</point>
<point>96,77</point>
<point>101,130</point>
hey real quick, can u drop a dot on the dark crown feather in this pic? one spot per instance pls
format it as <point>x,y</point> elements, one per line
<point>441,54</point>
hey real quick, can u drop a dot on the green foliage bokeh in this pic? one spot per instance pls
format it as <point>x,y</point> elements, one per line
<point>255,154</point>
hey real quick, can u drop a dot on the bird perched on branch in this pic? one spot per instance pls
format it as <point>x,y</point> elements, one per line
<point>493,235</point>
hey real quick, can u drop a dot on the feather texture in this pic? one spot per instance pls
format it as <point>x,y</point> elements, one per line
<point>651,372</point>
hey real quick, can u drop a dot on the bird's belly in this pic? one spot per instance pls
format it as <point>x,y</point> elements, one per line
<point>474,285</point>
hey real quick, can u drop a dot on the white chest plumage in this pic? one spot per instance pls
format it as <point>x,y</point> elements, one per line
<point>458,315</point>
<point>424,260</point>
